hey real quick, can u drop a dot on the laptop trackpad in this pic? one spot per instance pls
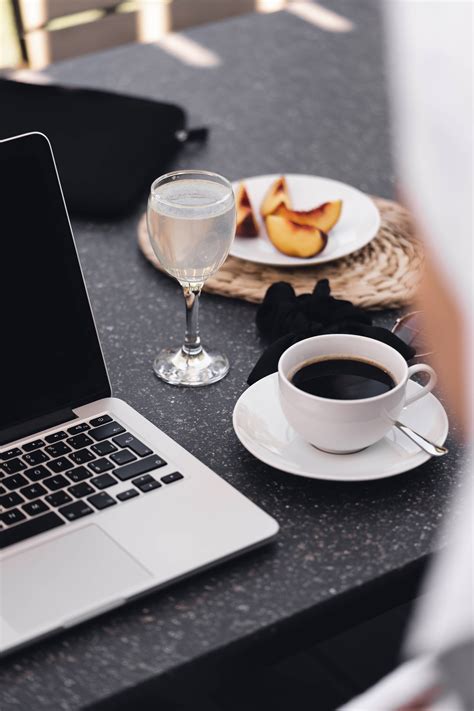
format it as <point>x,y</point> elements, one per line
<point>57,581</point>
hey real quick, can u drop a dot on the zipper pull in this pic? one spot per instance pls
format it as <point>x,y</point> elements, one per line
<point>191,135</point>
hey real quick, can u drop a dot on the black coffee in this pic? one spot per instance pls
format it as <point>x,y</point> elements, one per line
<point>343,379</point>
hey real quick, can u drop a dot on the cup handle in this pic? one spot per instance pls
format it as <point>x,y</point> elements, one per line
<point>421,368</point>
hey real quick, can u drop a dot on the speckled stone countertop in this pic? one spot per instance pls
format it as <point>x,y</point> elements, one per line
<point>286,97</point>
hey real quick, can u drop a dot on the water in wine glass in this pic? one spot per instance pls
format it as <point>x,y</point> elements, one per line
<point>191,225</point>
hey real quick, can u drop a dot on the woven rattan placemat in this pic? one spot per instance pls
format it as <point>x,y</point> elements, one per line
<point>383,274</point>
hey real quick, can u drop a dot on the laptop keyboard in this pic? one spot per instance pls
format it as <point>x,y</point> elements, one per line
<point>49,482</point>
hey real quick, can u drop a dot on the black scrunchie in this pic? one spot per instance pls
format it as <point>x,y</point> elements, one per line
<point>284,319</point>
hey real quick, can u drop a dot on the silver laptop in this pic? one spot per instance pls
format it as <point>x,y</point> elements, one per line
<point>97,505</point>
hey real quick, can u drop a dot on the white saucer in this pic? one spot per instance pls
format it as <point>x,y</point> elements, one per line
<point>260,425</point>
<point>358,224</point>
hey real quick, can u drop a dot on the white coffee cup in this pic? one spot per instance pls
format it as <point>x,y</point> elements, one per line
<point>344,426</point>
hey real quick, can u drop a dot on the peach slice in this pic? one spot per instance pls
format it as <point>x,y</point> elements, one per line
<point>277,194</point>
<point>324,217</point>
<point>246,225</point>
<point>293,239</point>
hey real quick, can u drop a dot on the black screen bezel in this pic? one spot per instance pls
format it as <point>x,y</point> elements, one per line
<point>37,146</point>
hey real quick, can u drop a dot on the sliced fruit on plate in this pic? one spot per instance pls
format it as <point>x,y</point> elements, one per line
<point>295,240</point>
<point>324,217</point>
<point>246,225</point>
<point>277,194</point>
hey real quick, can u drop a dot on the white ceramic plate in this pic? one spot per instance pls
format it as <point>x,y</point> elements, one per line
<point>358,224</point>
<point>260,425</point>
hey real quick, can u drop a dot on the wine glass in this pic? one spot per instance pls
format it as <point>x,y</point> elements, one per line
<point>191,225</point>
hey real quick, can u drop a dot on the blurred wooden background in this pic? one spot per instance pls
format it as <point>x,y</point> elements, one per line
<point>34,33</point>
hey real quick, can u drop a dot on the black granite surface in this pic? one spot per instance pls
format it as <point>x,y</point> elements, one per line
<point>286,96</point>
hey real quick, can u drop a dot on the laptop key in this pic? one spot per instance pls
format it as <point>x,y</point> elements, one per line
<point>33,491</point>
<point>56,482</point>
<point>106,431</point>
<point>146,483</point>
<point>101,420</point>
<point>12,516</point>
<point>81,427</point>
<point>34,508</point>
<point>128,440</point>
<point>15,481</point>
<point>170,478</point>
<point>76,510</point>
<point>100,465</point>
<point>82,456</point>
<point>104,481</point>
<point>34,444</point>
<point>103,448</point>
<point>33,527</point>
<point>78,474</point>
<point>59,498</point>
<point>12,466</point>
<point>34,458</point>
<point>61,464</point>
<point>101,500</point>
<point>37,473</point>
<point>123,457</point>
<point>79,441</point>
<point>142,466</point>
<point>10,500</point>
<point>30,528</point>
<point>55,437</point>
<point>2,490</point>
<point>55,450</point>
<point>9,454</point>
<point>80,490</point>
<point>126,495</point>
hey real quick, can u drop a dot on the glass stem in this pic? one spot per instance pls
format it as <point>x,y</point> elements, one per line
<point>192,342</point>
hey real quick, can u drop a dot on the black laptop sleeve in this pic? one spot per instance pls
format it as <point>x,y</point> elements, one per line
<point>108,147</point>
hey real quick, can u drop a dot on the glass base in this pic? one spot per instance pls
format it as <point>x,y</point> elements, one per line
<point>178,368</point>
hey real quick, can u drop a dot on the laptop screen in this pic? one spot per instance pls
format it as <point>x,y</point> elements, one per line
<point>50,357</point>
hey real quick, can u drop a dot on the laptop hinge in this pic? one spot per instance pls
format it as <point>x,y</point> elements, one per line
<point>38,424</point>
